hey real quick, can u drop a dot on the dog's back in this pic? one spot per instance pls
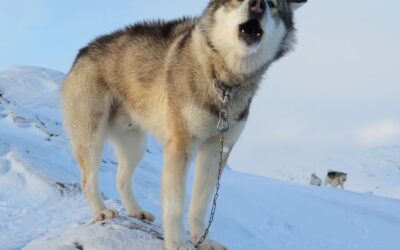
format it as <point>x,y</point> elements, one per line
<point>134,54</point>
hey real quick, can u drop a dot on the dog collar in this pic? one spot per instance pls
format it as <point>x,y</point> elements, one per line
<point>224,92</point>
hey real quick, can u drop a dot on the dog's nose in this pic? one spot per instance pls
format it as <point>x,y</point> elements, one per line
<point>257,7</point>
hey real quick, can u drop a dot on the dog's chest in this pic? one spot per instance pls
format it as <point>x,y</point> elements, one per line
<point>202,122</point>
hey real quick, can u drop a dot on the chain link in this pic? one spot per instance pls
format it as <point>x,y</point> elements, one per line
<point>224,94</point>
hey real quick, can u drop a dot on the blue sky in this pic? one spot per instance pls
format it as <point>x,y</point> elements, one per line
<point>338,92</point>
<point>48,33</point>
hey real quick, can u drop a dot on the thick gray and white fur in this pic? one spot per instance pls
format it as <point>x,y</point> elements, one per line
<point>157,77</point>
<point>335,179</point>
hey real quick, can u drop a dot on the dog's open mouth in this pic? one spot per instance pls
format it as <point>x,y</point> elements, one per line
<point>250,32</point>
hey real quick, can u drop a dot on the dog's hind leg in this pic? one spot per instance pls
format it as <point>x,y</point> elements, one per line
<point>86,112</point>
<point>88,154</point>
<point>130,146</point>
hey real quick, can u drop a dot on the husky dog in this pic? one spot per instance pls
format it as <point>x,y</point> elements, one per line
<point>158,77</point>
<point>335,179</point>
<point>315,180</point>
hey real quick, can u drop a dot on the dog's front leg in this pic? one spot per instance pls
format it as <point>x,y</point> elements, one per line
<point>205,181</point>
<point>176,159</point>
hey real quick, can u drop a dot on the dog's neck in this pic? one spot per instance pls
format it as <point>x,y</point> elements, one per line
<point>214,69</point>
<point>217,67</point>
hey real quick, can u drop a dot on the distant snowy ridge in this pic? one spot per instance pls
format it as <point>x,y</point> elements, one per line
<point>42,207</point>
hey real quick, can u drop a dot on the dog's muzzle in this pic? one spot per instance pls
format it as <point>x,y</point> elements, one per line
<point>250,31</point>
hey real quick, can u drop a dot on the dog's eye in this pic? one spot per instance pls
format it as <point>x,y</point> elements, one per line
<point>271,4</point>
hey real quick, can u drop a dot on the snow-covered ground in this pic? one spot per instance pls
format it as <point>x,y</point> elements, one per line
<point>42,207</point>
<point>373,170</point>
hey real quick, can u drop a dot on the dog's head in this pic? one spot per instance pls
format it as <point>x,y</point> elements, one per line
<point>344,177</point>
<point>256,30</point>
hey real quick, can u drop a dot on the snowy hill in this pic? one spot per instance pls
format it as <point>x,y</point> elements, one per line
<point>42,207</point>
<point>373,170</point>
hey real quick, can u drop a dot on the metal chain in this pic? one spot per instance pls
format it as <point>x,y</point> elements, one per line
<point>214,205</point>
<point>223,126</point>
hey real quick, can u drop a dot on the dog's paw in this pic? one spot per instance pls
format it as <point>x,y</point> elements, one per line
<point>212,245</point>
<point>106,214</point>
<point>185,246</point>
<point>142,215</point>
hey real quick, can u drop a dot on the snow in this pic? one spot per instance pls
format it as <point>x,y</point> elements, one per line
<point>42,206</point>
<point>370,170</point>
<point>121,233</point>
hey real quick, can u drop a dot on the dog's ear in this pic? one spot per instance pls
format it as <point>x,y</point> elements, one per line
<point>295,4</point>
